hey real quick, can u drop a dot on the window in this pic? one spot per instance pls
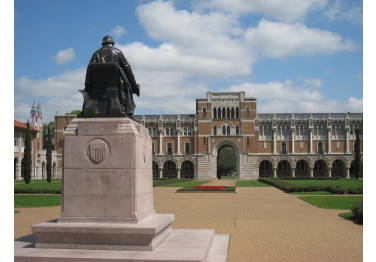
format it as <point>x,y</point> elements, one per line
<point>247,140</point>
<point>204,141</point>
<point>215,130</point>
<point>215,113</point>
<point>247,112</point>
<point>228,130</point>
<point>152,148</point>
<point>319,148</point>
<point>169,148</point>
<point>171,166</point>
<point>237,130</point>
<point>282,165</point>
<point>204,112</point>
<point>187,148</point>
<point>223,130</point>
<point>15,141</point>
<point>283,147</point>
<point>169,131</point>
<point>187,131</point>
<point>152,131</point>
<point>237,112</point>
<point>300,165</point>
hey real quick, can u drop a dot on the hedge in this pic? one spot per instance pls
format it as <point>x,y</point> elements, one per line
<point>36,191</point>
<point>288,188</point>
<point>357,210</point>
<point>166,181</point>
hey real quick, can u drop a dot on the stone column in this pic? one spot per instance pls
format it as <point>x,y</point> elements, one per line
<point>274,172</point>
<point>329,143</point>
<point>293,172</point>
<point>178,169</point>
<point>292,142</point>
<point>347,142</point>
<point>160,142</point>
<point>274,142</point>
<point>311,172</point>
<point>310,142</point>
<point>18,171</point>
<point>347,172</point>
<point>160,172</point>
<point>179,143</point>
<point>329,172</point>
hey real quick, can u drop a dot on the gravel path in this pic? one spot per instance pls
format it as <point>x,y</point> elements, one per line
<point>265,224</point>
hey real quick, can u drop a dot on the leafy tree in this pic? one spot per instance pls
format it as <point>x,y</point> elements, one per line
<point>74,112</point>
<point>26,163</point>
<point>48,155</point>
<point>226,160</point>
<point>358,157</point>
<point>51,125</point>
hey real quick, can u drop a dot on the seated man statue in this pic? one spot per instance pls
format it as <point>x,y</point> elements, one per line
<point>126,81</point>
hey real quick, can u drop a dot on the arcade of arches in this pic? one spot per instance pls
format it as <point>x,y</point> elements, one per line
<point>170,169</point>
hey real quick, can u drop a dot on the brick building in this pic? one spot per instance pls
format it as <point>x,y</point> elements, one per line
<point>274,145</point>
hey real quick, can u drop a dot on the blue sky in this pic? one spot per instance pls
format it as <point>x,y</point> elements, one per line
<point>293,56</point>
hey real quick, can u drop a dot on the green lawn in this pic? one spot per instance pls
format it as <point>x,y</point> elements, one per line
<point>332,202</point>
<point>36,200</point>
<point>251,183</point>
<point>343,182</point>
<point>39,184</point>
<point>311,193</point>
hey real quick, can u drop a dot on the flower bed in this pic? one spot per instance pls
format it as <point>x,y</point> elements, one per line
<point>204,189</point>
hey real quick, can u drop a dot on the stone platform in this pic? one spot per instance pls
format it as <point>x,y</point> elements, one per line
<point>181,245</point>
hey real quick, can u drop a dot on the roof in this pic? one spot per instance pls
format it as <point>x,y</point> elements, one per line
<point>22,126</point>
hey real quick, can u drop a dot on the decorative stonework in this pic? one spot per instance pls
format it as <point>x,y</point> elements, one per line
<point>97,150</point>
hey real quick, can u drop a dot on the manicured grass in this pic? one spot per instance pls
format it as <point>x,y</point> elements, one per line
<point>39,184</point>
<point>332,202</point>
<point>251,183</point>
<point>191,183</point>
<point>348,215</point>
<point>36,200</point>
<point>343,182</point>
<point>311,193</point>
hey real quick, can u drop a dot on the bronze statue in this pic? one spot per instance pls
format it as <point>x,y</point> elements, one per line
<point>109,84</point>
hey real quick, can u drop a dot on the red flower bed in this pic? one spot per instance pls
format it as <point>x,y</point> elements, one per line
<point>210,187</point>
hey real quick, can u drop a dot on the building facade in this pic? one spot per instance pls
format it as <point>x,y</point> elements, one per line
<point>265,145</point>
<point>38,155</point>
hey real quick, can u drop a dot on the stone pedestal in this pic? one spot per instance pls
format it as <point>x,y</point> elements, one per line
<point>107,203</point>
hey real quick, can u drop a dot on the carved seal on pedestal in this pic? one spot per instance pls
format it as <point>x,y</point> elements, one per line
<point>97,150</point>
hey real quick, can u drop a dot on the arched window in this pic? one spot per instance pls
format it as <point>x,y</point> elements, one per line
<point>223,112</point>
<point>215,130</point>
<point>228,113</point>
<point>228,130</point>
<point>215,113</point>
<point>204,112</point>
<point>232,113</point>
<point>169,131</point>
<point>223,130</point>
<point>306,130</point>
<point>237,130</point>
<point>237,112</point>
<point>247,111</point>
<point>185,132</point>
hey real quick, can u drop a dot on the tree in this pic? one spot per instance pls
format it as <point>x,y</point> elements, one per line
<point>26,163</point>
<point>74,112</point>
<point>51,125</point>
<point>358,157</point>
<point>226,160</point>
<point>48,155</point>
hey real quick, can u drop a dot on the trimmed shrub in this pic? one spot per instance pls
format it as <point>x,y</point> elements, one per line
<point>336,190</point>
<point>357,210</point>
<point>352,191</point>
<point>360,190</point>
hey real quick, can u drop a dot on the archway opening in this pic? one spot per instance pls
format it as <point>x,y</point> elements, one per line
<point>265,169</point>
<point>283,168</point>
<point>319,169</point>
<point>15,167</point>
<point>338,168</point>
<point>226,163</point>
<point>302,169</point>
<point>169,169</point>
<point>155,170</point>
<point>187,169</point>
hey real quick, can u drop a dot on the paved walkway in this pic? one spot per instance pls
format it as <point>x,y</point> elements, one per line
<point>265,224</point>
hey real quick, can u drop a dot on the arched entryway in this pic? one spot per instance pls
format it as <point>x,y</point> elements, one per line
<point>155,170</point>
<point>265,169</point>
<point>338,168</point>
<point>169,169</point>
<point>283,168</point>
<point>320,169</point>
<point>302,169</point>
<point>187,169</point>
<point>217,148</point>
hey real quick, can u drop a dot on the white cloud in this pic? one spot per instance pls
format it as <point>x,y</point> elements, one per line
<point>340,10</point>
<point>312,82</point>
<point>273,39</point>
<point>64,56</point>
<point>281,10</point>
<point>118,31</point>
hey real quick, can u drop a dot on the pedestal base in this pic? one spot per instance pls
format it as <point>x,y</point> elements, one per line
<point>146,235</point>
<point>181,245</point>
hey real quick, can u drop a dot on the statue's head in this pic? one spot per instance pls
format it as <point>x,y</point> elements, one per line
<point>107,40</point>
